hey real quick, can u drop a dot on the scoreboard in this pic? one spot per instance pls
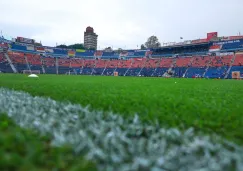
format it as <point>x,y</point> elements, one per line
<point>25,40</point>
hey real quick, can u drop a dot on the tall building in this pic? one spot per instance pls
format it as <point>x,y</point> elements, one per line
<point>90,38</point>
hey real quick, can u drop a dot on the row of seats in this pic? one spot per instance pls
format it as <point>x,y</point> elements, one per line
<point>238,60</point>
<point>195,61</point>
<point>233,45</point>
<point>182,66</point>
<point>219,61</point>
<point>203,61</point>
<point>4,65</point>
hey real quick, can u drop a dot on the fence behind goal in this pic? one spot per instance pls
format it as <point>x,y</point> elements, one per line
<point>31,71</point>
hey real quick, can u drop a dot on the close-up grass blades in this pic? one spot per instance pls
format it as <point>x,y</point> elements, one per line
<point>114,123</point>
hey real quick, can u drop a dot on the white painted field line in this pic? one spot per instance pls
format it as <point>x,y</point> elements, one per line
<point>116,143</point>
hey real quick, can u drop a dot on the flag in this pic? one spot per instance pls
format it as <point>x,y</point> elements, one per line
<point>31,48</point>
<point>148,53</point>
<point>40,49</point>
<point>98,53</point>
<point>71,53</point>
<point>215,48</point>
<point>80,50</point>
<point>49,50</point>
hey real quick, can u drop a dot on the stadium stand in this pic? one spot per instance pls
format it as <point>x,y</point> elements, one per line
<point>49,65</point>
<point>136,66</point>
<point>216,72</point>
<point>76,63</point>
<point>218,61</point>
<point>208,58</point>
<point>238,60</point>
<point>166,62</point>
<point>183,61</point>
<point>200,61</point>
<point>4,65</point>
<point>194,72</point>
<point>63,65</point>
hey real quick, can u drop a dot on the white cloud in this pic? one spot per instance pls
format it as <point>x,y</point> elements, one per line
<point>119,23</point>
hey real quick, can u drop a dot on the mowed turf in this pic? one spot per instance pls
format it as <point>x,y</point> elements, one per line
<point>24,150</point>
<point>210,106</point>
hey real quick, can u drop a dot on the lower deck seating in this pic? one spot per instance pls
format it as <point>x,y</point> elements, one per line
<point>189,67</point>
<point>200,61</point>
<point>133,72</point>
<point>98,71</point>
<point>235,68</point>
<point>112,64</point>
<point>101,63</point>
<point>124,64</point>
<point>90,63</point>
<point>17,58</point>
<point>49,65</point>
<point>121,71</point>
<point>65,62</point>
<point>64,66</point>
<point>219,61</point>
<point>183,61</point>
<point>138,62</point>
<point>238,60</point>
<point>159,72</point>
<point>166,62</point>
<point>33,59</point>
<point>86,71</point>
<point>4,65</point>
<point>147,72</point>
<point>179,71</point>
<point>195,72</point>
<point>109,71</point>
<point>152,63</point>
<point>216,72</point>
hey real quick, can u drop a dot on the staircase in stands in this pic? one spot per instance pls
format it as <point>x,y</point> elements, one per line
<point>10,63</point>
<point>190,64</point>
<point>156,67</point>
<point>42,66</point>
<point>231,63</point>
<point>104,68</point>
<point>57,65</point>
<point>27,62</point>
<point>142,67</point>
<point>208,65</point>
<point>129,68</point>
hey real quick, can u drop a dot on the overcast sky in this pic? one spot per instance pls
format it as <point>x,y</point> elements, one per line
<point>119,23</point>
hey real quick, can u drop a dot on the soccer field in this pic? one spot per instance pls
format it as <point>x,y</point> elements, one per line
<point>209,106</point>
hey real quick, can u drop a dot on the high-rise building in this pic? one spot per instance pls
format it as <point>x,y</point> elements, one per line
<point>90,38</point>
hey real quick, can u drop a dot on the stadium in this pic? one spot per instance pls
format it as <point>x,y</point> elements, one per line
<point>175,106</point>
<point>211,57</point>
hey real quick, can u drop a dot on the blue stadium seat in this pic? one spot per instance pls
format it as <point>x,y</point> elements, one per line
<point>216,72</point>
<point>18,47</point>
<point>235,68</point>
<point>195,71</point>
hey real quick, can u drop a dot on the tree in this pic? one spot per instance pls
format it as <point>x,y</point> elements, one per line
<point>91,49</point>
<point>152,42</point>
<point>119,50</point>
<point>143,47</point>
<point>38,44</point>
<point>74,46</point>
<point>108,49</point>
<point>62,46</point>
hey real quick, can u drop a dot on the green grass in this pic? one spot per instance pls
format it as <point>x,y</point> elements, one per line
<point>210,106</point>
<point>24,150</point>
